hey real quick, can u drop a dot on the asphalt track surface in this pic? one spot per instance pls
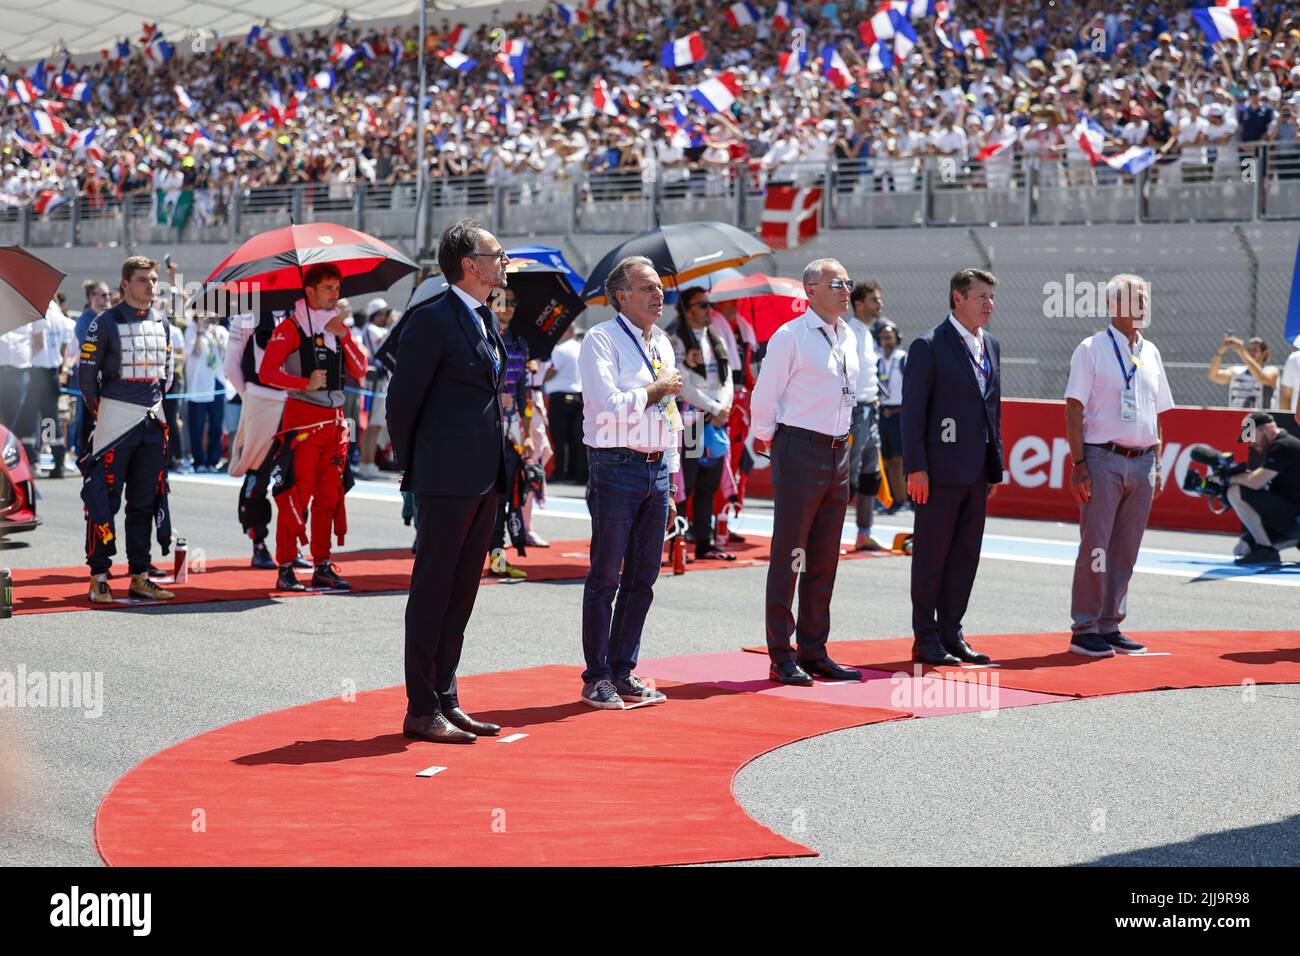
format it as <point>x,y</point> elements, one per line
<point>1205,777</point>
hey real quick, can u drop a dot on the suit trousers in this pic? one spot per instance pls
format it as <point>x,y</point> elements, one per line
<point>811,494</point>
<point>946,539</point>
<point>451,542</point>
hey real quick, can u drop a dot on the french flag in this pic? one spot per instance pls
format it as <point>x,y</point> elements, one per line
<point>160,49</point>
<point>254,34</point>
<point>742,15</point>
<point>1090,137</point>
<point>457,61</point>
<point>37,77</point>
<point>920,9</point>
<point>183,98</point>
<point>395,57</point>
<point>601,6</point>
<point>835,69</point>
<point>882,26</point>
<point>459,37</point>
<point>880,58</point>
<point>33,147</point>
<point>600,98</point>
<point>366,50</point>
<point>1224,23</point>
<point>200,135</point>
<point>941,18</point>
<point>324,80</point>
<point>511,59</point>
<point>1133,160</point>
<point>340,51</point>
<point>995,149</point>
<point>791,63</point>
<point>24,92</point>
<point>367,118</point>
<point>571,15</point>
<point>78,92</point>
<point>781,17</point>
<point>683,52</point>
<point>904,40</point>
<point>49,200</point>
<point>123,49</point>
<point>46,124</point>
<point>79,140</point>
<point>974,40</point>
<point>279,47</point>
<point>248,120</point>
<point>717,94</point>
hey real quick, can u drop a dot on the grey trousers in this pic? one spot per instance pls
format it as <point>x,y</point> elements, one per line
<point>1111,525</point>
<point>811,493</point>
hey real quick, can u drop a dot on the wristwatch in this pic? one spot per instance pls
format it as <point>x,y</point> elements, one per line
<point>672,490</point>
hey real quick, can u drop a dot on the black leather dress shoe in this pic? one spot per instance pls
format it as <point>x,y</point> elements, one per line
<point>932,654</point>
<point>789,672</point>
<point>828,669</point>
<point>965,653</point>
<point>465,722</point>
<point>436,729</point>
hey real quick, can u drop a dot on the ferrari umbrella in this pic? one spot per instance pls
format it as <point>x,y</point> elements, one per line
<point>27,285</point>
<point>680,253</point>
<point>274,262</point>
<point>767,301</point>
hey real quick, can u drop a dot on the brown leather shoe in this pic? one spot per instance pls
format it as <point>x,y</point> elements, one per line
<point>458,718</point>
<point>436,729</point>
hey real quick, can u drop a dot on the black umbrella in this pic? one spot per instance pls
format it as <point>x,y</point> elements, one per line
<point>680,253</point>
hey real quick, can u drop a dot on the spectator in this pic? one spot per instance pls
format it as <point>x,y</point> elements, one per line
<point>1250,385</point>
<point>205,353</point>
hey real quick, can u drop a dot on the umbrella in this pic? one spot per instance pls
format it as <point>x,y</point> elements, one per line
<point>552,257</point>
<point>27,285</point>
<point>680,253</point>
<point>273,263</point>
<point>767,301</point>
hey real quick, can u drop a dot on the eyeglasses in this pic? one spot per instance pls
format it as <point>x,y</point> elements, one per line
<point>701,305</point>
<point>498,256</point>
<point>839,285</point>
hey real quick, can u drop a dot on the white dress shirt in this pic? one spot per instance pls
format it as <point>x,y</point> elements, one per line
<point>564,359</point>
<point>802,380</point>
<point>16,347</point>
<point>612,367</point>
<point>1097,382</point>
<point>975,345</point>
<point>57,333</point>
<point>890,373</point>
<point>868,386</point>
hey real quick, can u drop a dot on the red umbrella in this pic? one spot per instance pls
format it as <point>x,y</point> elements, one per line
<point>768,302</point>
<point>274,262</point>
<point>27,285</point>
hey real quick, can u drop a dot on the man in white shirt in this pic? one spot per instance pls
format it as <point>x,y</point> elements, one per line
<point>631,426</point>
<point>1289,383</point>
<point>1116,392</point>
<point>15,373</point>
<point>205,356</point>
<point>802,409</point>
<point>889,374</point>
<point>563,389</point>
<point>864,463</point>
<point>54,349</point>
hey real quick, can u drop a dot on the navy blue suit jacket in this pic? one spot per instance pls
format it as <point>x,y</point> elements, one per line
<point>444,409</point>
<point>941,398</point>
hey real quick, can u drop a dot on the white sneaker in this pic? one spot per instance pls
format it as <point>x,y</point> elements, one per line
<point>367,471</point>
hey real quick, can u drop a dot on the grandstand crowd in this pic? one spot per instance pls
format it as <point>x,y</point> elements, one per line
<point>591,97</point>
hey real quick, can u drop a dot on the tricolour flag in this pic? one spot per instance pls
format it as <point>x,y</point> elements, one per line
<point>717,94</point>
<point>78,92</point>
<point>46,124</point>
<point>790,216</point>
<point>683,51</point>
<point>279,47</point>
<point>781,17</point>
<point>880,58</point>
<point>600,98</point>
<point>1133,160</point>
<point>23,91</point>
<point>835,69</point>
<point>340,51</point>
<point>79,140</point>
<point>601,6</point>
<point>324,80</point>
<point>742,15</point>
<point>1090,137</point>
<point>904,40</point>
<point>790,64</point>
<point>920,9</point>
<point>456,60</point>
<point>511,59</point>
<point>254,34</point>
<point>198,135</point>
<point>994,149</point>
<point>975,43</point>
<point>458,38</point>
<point>882,25</point>
<point>1224,23</point>
<point>49,200</point>
<point>183,98</point>
<point>571,15</point>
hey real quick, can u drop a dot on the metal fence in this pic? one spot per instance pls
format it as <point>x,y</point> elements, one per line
<point>1233,183</point>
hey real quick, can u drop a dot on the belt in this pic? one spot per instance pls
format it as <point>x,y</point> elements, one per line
<point>650,457</point>
<point>816,437</point>
<point>1120,449</point>
<point>890,409</point>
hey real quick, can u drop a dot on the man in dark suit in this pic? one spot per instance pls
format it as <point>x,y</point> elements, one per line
<point>444,417</point>
<point>952,453</point>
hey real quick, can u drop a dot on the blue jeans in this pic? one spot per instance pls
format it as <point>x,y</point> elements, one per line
<point>209,414</point>
<point>628,501</point>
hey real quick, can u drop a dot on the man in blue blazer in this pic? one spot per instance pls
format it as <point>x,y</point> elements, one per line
<point>952,453</point>
<point>444,417</point>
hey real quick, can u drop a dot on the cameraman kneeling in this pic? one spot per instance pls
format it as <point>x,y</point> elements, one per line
<point>1268,515</point>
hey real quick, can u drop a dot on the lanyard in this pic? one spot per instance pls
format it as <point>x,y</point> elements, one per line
<point>645,358</point>
<point>885,367</point>
<point>840,360</point>
<point>983,364</point>
<point>1128,374</point>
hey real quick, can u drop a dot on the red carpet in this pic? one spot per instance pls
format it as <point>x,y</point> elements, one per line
<point>1041,663</point>
<point>41,590</point>
<point>334,783</point>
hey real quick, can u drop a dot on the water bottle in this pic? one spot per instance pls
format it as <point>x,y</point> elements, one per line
<point>181,573</point>
<point>6,594</point>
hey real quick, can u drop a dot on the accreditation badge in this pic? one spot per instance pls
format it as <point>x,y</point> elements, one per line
<point>668,406</point>
<point>1128,406</point>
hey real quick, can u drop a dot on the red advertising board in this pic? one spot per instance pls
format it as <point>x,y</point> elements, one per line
<point>1038,465</point>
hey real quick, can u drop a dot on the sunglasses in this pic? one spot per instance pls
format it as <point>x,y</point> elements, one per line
<point>701,305</point>
<point>838,285</point>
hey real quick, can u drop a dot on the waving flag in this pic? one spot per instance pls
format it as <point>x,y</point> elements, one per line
<point>995,149</point>
<point>78,92</point>
<point>1224,23</point>
<point>573,16</point>
<point>717,94</point>
<point>683,52</point>
<point>324,80</point>
<point>23,91</point>
<point>1090,137</point>
<point>340,51</point>
<point>37,77</point>
<point>1133,160</point>
<point>254,34</point>
<point>198,135</point>
<point>247,120</point>
<point>367,119</point>
<point>33,147</point>
<point>46,124</point>
<point>835,69</point>
<point>80,140</point>
<point>975,42</point>
<point>742,15</point>
<point>941,19</point>
<point>920,9</point>
<point>791,63</point>
<point>279,47</point>
<point>459,37</point>
<point>123,49</point>
<point>456,60</point>
<point>904,40</point>
<point>781,17</point>
<point>882,25</point>
<point>511,59</point>
<point>880,58</point>
<point>183,98</point>
<point>600,98</point>
<point>49,200</point>
<point>601,6</point>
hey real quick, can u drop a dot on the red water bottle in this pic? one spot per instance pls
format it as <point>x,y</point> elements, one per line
<point>721,535</point>
<point>679,555</point>
<point>181,571</point>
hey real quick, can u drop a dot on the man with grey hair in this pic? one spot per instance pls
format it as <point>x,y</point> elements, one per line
<point>802,409</point>
<point>630,425</point>
<point>1116,392</point>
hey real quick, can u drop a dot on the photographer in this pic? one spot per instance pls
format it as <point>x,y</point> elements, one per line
<point>1250,385</point>
<point>1267,500</point>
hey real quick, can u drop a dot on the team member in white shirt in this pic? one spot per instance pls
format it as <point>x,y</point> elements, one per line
<point>889,374</point>
<point>15,374</point>
<point>54,349</point>
<point>563,388</point>
<point>1116,392</point>
<point>864,465</point>
<point>1289,383</point>
<point>631,427</point>
<point>205,356</point>
<point>802,409</point>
